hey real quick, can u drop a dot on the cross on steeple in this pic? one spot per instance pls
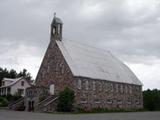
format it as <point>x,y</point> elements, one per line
<point>54,14</point>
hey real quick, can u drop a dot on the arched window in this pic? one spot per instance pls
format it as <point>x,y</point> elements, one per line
<point>130,89</point>
<point>100,86</point>
<point>79,84</point>
<point>59,29</point>
<point>54,30</point>
<point>94,85</point>
<point>111,87</point>
<point>106,86</point>
<point>87,85</point>
<point>121,88</point>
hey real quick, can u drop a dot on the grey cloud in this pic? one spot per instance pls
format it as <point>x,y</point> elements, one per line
<point>132,34</point>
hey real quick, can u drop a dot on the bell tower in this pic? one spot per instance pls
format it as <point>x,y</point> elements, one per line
<point>56,28</point>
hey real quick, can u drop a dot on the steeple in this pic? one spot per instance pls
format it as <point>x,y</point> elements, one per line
<point>56,28</point>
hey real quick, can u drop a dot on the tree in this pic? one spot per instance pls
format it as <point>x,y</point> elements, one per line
<point>3,73</point>
<point>151,99</point>
<point>13,74</point>
<point>66,100</point>
<point>25,73</point>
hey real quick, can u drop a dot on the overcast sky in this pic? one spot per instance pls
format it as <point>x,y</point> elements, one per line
<point>130,29</point>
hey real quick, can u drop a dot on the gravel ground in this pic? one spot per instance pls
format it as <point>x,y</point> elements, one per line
<point>15,115</point>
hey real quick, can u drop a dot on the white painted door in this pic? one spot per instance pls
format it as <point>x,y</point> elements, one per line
<point>52,89</point>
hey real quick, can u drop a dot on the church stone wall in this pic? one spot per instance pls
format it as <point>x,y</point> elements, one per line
<point>54,70</point>
<point>92,93</point>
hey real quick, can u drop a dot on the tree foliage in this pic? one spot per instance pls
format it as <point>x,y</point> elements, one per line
<point>4,73</point>
<point>66,100</point>
<point>151,99</point>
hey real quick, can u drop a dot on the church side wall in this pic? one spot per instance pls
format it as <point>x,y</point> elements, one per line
<point>54,70</point>
<point>105,94</point>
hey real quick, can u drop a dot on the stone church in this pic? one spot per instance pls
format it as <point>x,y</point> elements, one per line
<point>99,79</point>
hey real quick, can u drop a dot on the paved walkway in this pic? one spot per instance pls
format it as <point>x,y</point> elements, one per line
<point>14,115</point>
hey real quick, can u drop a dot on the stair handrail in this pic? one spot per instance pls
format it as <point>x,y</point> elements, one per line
<point>51,101</point>
<point>43,101</point>
<point>17,101</point>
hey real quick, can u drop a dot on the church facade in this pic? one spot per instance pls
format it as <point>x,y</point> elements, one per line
<point>98,78</point>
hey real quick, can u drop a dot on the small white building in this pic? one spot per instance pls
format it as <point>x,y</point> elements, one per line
<point>13,86</point>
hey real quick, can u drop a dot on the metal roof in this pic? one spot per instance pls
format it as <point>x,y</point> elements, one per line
<point>91,62</point>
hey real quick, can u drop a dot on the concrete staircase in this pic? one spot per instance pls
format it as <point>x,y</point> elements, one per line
<point>17,105</point>
<point>47,105</point>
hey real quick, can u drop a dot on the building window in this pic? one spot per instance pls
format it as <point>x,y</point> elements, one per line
<point>79,84</point>
<point>83,100</point>
<point>62,69</point>
<point>57,67</point>
<point>121,88</point>
<point>3,83</point>
<point>48,68</point>
<point>100,86</point>
<point>130,89</point>
<point>97,101</point>
<point>94,85</point>
<point>116,88</point>
<point>87,85</point>
<point>58,29</point>
<point>22,83</point>
<point>128,101</point>
<point>106,87</point>
<point>20,91</point>
<point>8,90</point>
<point>111,87</point>
<point>109,101</point>
<point>119,101</point>
<point>137,102</point>
<point>126,89</point>
<point>54,30</point>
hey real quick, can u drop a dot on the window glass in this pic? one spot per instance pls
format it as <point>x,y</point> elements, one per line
<point>22,83</point>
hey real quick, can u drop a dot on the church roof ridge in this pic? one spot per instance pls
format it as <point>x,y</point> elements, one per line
<point>87,45</point>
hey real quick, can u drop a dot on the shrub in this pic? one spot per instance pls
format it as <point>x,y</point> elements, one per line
<point>3,102</point>
<point>15,97</point>
<point>11,98</point>
<point>66,100</point>
<point>8,97</point>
